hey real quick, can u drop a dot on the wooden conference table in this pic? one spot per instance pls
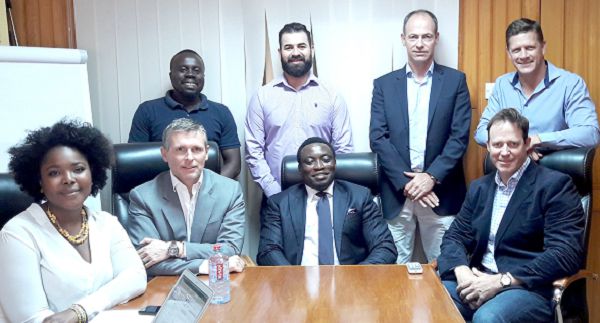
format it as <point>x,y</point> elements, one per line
<point>377,293</point>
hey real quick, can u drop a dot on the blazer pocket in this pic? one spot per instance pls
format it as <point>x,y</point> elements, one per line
<point>351,213</point>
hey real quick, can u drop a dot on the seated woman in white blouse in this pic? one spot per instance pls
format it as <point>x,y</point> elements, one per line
<point>60,261</point>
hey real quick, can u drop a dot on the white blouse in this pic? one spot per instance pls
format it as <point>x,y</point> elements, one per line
<point>41,273</point>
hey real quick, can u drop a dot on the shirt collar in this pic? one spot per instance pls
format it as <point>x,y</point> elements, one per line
<point>515,177</point>
<point>552,73</point>
<point>409,72</point>
<point>177,184</point>
<point>281,81</point>
<point>312,192</point>
<point>171,103</point>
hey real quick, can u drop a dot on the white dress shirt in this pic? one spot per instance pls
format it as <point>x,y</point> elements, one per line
<point>310,254</point>
<point>188,203</point>
<point>417,94</point>
<point>188,206</point>
<point>43,274</point>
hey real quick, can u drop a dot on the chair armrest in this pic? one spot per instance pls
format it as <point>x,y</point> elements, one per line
<point>563,283</point>
<point>249,262</point>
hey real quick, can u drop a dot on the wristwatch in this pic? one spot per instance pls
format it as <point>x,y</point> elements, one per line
<point>435,181</point>
<point>505,280</point>
<point>173,251</point>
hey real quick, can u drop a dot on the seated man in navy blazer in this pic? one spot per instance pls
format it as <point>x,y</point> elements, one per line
<point>322,221</point>
<point>519,229</point>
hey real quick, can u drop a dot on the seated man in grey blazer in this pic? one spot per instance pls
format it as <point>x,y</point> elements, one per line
<point>177,218</point>
<point>323,221</point>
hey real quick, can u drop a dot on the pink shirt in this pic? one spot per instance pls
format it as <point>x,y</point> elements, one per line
<point>280,118</point>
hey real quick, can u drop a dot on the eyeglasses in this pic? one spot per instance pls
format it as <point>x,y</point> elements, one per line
<point>426,38</point>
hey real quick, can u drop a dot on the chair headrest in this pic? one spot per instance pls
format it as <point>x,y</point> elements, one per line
<point>12,200</point>
<point>575,162</point>
<point>137,163</point>
<point>358,168</point>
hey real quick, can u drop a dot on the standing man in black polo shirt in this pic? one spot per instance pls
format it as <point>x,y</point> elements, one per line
<point>185,100</point>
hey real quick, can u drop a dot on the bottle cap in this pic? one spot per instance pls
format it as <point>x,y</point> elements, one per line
<point>217,247</point>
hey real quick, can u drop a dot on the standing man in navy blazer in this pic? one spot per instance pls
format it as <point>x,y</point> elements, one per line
<point>519,229</point>
<point>322,221</point>
<point>420,119</point>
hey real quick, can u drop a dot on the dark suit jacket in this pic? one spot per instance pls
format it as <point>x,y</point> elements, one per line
<point>540,237</point>
<point>360,234</point>
<point>447,137</point>
<point>155,212</point>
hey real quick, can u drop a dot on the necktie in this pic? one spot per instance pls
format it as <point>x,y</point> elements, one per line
<point>325,230</point>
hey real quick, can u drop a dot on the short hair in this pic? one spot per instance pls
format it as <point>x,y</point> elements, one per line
<point>295,27</point>
<point>420,11</point>
<point>182,125</point>
<point>185,51</point>
<point>26,158</point>
<point>524,25</point>
<point>514,117</point>
<point>310,141</point>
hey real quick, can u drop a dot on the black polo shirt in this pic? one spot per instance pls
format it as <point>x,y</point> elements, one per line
<point>152,117</point>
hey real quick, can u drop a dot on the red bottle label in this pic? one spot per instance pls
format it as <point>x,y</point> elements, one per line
<point>219,271</point>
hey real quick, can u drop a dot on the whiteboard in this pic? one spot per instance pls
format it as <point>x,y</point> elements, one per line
<point>39,86</point>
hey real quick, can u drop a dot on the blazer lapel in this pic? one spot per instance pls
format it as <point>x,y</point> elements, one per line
<point>340,207</point>
<point>205,203</point>
<point>483,222</point>
<point>436,88</point>
<point>297,210</point>
<point>520,195</point>
<point>403,100</point>
<point>172,208</point>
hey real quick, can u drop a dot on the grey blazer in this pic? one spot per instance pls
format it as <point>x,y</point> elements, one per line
<point>155,212</point>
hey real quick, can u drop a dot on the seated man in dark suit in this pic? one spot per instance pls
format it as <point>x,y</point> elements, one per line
<point>178,217</point>
<point>322,221</point>
<point>519,229</point>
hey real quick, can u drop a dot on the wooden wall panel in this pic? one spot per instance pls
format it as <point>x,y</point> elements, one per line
<point>553,10</point>
<point>572,43</point>
<point>44,23</point>
<point>482,56</point>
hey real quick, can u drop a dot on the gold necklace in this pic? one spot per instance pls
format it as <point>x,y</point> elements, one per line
<point>77,239</point>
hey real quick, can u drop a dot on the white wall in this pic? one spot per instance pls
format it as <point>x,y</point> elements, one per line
<point>130,43</point>
<point>40,86</point>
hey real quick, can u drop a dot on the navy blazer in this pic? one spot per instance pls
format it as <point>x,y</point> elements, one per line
<point>540,237</point>
<point>360,234</point>
<point>447,137</point>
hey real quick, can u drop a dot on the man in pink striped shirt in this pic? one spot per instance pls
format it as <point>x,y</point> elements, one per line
<point>290,109</point>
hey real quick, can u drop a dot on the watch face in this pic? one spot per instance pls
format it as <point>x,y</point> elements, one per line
<point>173,251</point>
<point>505,280</point>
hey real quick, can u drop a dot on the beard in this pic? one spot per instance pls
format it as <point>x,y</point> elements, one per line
<point>297,70</point>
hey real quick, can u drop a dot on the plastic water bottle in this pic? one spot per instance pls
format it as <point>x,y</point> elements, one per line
<point>218,273</point>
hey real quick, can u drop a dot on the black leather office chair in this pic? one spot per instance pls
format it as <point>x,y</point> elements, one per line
<point>137,163</point>
<point>358,168</point>
<point>570,304</point>
<point>12,200</point>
